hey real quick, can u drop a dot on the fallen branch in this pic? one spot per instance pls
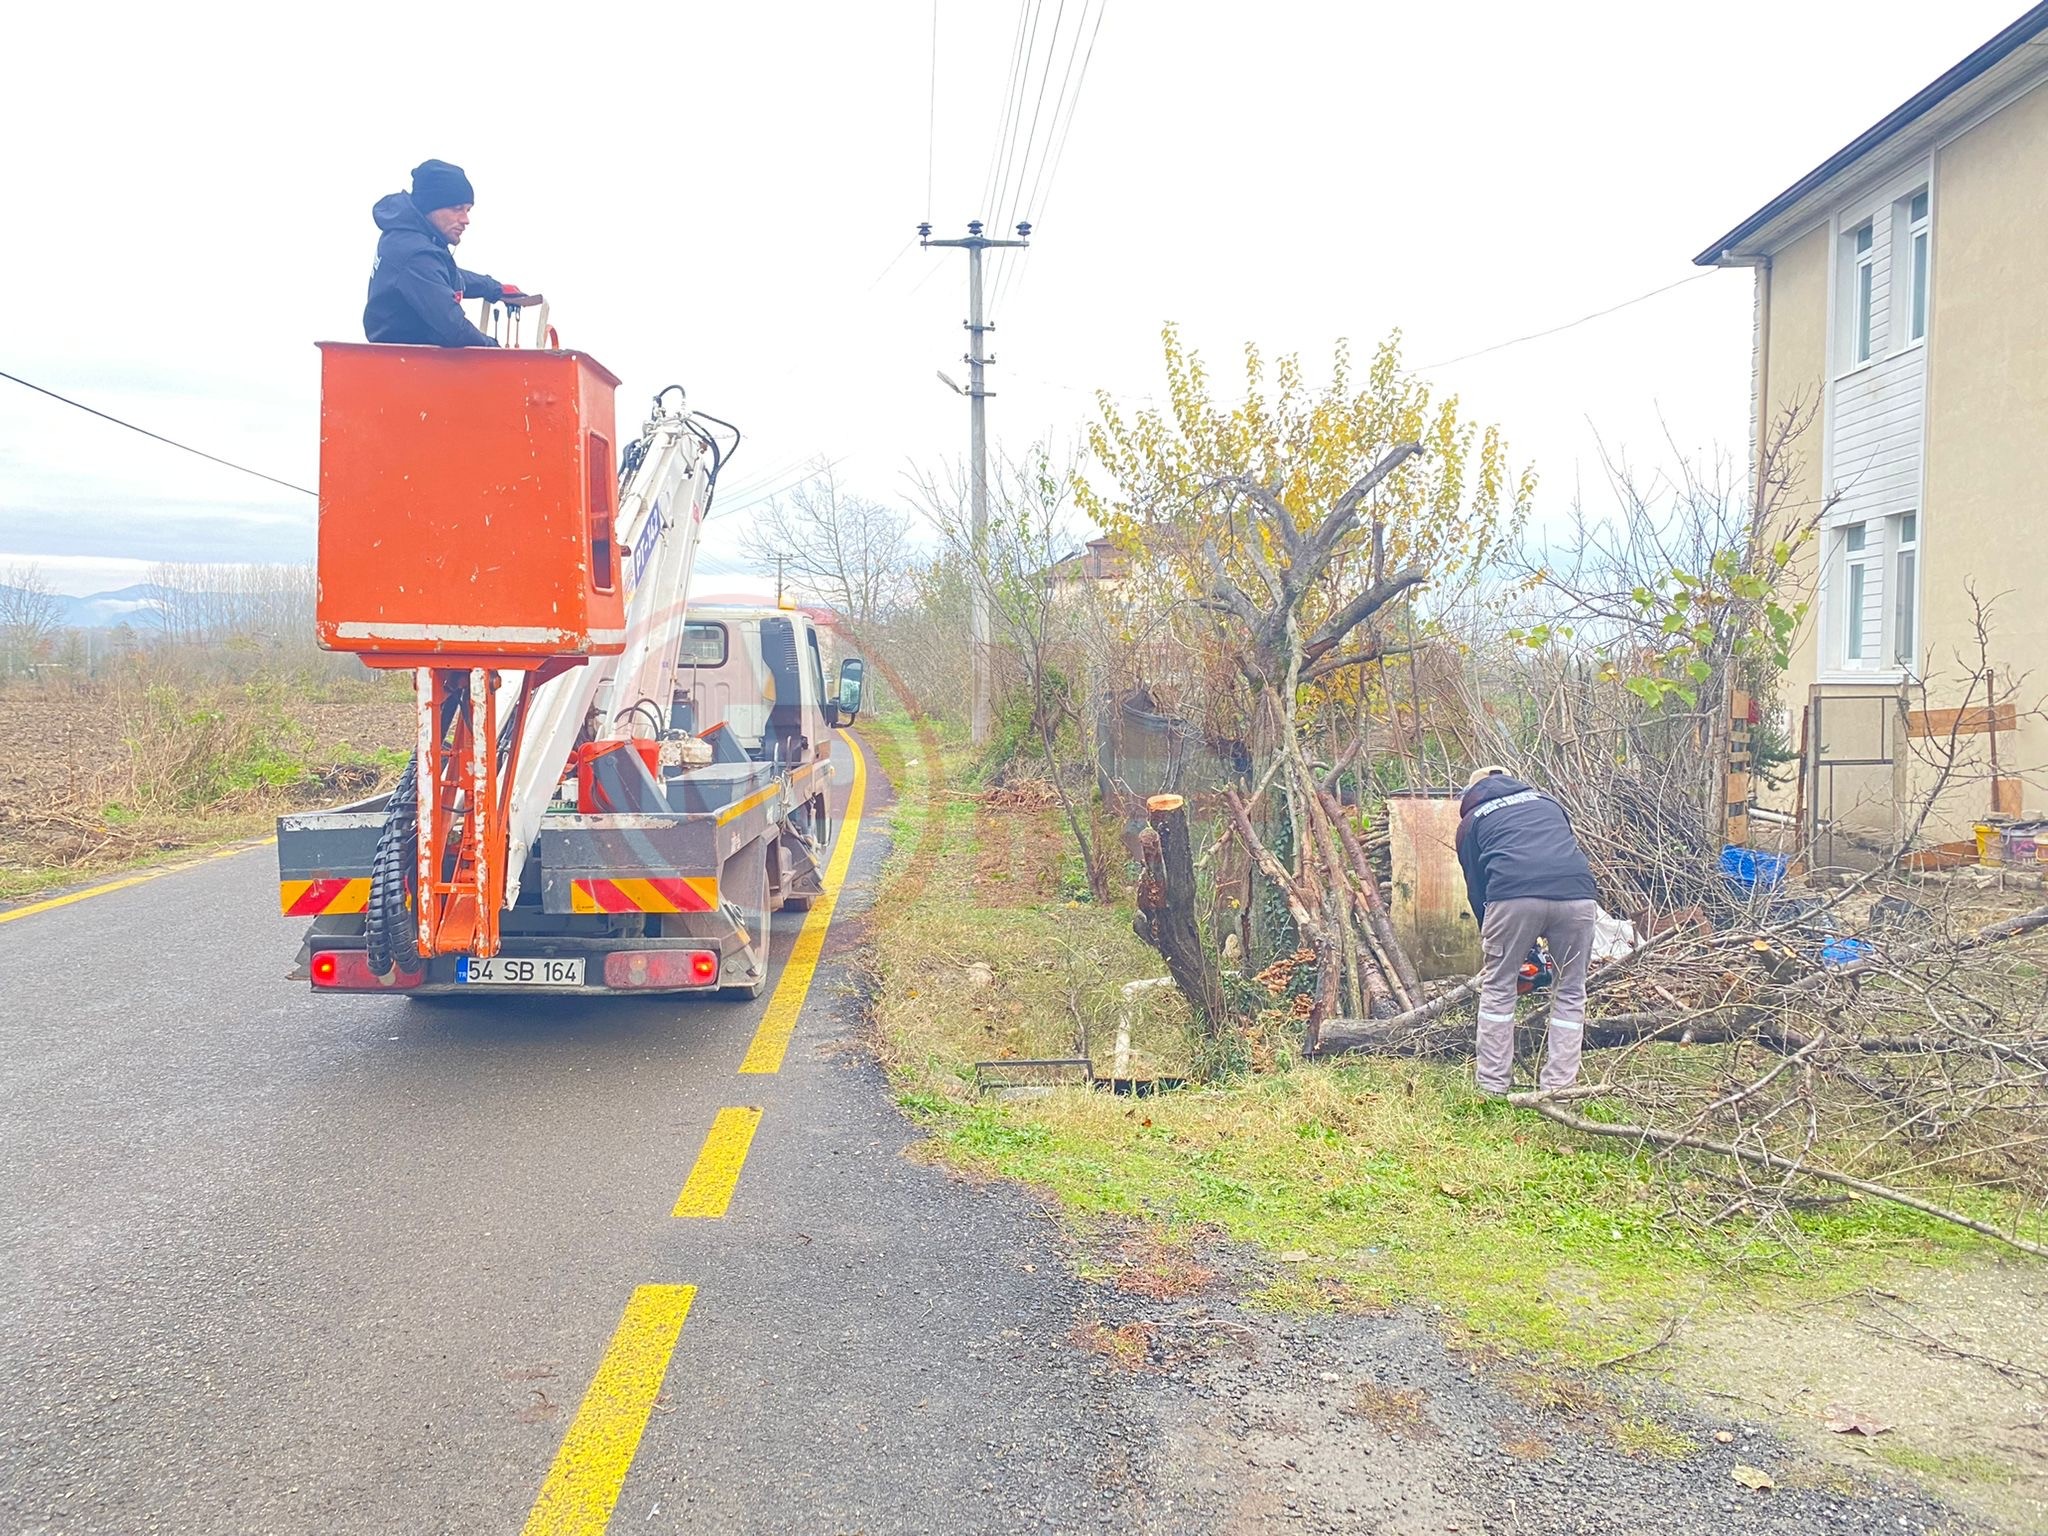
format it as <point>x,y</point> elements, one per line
<point>1548,1105</point>
<point>1670,1332</point>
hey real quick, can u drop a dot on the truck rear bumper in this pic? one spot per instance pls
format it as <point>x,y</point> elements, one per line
<point>612,967</point>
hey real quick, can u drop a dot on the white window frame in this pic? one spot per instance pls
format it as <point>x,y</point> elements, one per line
<point>1889,559</point>
<point>1903,612</point>
<point>1859,560</point>
<point>1917,293</point>
<point>1862,294</point>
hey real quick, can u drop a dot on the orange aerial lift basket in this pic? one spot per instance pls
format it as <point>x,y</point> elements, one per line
<point>467,501</point>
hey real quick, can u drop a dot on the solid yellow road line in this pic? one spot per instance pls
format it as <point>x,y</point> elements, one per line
<point>590,1468</point>
<point>771,1039</point>
<point>51,905</point>
<point>717,1169</point>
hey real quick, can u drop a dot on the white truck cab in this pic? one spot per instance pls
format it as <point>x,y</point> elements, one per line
<point>761,672</point>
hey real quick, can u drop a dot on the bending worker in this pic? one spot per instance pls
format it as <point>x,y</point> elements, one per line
<point>416,289</point>
<point>1526,878</point>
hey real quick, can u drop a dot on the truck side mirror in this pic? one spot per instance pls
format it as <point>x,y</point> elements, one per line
<point>851,671</point>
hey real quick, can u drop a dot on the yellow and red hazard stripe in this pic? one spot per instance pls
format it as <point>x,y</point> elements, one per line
<point>681,893</point>
<point>313,898</point>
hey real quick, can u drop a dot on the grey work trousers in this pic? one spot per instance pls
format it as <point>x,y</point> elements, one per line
<point>1505,936</point>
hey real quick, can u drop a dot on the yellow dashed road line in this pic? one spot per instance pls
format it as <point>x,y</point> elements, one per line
<point>583,1485</point>
<point>771,1039</point>
<point>596,1453</point>
<point>717,1170</point>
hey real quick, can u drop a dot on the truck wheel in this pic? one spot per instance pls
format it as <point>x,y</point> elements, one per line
<point>747,993</point>
<point>759,924</point>
<point>818,815</point>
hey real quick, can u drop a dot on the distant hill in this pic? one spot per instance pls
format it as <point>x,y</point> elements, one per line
<point>140,606</point>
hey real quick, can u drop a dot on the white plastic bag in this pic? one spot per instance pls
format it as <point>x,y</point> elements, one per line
<point>1612,937</point>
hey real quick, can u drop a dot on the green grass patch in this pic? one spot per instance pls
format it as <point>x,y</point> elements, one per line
<point>1640,1435</point>
<point>1395,1183</point>
<point>1968,1467</point>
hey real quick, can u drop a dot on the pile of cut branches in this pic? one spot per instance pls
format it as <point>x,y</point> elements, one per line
<point>1881,1042</point>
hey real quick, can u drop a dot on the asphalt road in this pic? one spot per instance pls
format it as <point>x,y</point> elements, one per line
<point>278,1263</point>
<point>272,1263</point>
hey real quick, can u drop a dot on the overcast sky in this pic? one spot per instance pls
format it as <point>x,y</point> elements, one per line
<point>725,196</point>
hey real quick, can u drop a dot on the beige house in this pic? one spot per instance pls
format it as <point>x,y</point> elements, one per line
<point>1902,295</point>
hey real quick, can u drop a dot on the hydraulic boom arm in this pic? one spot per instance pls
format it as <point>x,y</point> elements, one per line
<point>668,477</point>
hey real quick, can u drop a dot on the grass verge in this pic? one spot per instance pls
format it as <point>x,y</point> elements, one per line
<point>1365,1184</point>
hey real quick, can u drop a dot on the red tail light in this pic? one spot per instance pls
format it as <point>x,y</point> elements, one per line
<point>348,970</point>
<point>661,968</point>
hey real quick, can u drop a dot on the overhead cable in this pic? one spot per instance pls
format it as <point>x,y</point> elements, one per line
<point>1006,199</point>
<point>1516,341</point>
<point>172,441</point>
<point>931,117</point>
<point>1059,154</point>
<point>1010,96</point>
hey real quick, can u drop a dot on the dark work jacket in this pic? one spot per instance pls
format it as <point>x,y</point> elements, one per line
<point>1523,849</point>
<point>416,290</point>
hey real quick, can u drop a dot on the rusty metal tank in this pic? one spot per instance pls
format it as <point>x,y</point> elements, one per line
<point>1431,916</point>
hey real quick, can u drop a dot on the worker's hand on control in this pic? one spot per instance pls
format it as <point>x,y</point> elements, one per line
<point>521,300</point>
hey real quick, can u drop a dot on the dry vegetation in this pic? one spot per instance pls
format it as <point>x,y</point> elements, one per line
<point>170,752</point>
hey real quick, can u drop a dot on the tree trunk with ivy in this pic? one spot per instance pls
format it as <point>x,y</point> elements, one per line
<point>1298,517</point>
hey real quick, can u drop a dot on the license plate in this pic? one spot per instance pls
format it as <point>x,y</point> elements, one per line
<point>512,971</point>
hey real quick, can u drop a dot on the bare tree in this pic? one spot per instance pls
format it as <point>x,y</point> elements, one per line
<point>231,604</point>
<point>1031,530</point>
<point>1689,587</point>
<point>838,548</point>
<point>30,616</point>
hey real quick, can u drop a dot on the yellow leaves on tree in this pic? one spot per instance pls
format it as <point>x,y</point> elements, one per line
<point>1168,494</point>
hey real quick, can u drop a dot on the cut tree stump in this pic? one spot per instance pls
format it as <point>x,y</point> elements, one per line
<point>1166,909</point>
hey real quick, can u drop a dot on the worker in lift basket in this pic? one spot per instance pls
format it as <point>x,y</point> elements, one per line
<point>1526,879</point>
<point>416,289</point>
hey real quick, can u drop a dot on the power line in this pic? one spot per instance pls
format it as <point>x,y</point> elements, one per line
<point>1138,398</point>
<point>725,508</point>
<point>1037,211</point>
<point>1037,107</point>
<point>1018,161</point>
<point>871,287</point>
<point>1023,87</point>
<point>931,117</point>
<point>172,441</point>
<point>988,188</point>
<point>1516,341</point>
<point>1052,135</point>
<point>747,487</point>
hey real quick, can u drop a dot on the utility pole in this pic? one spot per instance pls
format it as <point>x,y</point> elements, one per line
<point>779,559</point>
<point>977,454</point>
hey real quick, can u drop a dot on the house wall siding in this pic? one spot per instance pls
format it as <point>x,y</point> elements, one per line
<point>1986,518</point>
<point>1795,370</point>
<point>1874,450</point>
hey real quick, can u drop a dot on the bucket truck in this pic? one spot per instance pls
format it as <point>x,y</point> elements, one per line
<point>608,793</point>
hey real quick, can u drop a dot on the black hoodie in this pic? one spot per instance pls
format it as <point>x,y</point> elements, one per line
<point>1520,849</point>
<point>416,290</point>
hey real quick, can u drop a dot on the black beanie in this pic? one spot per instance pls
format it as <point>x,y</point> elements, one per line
<point>437,184</point>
